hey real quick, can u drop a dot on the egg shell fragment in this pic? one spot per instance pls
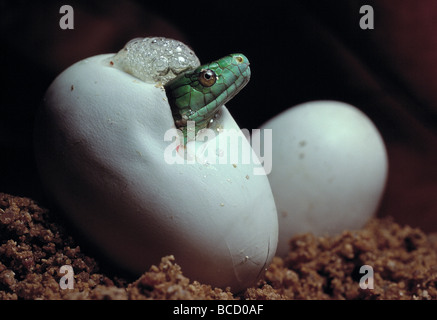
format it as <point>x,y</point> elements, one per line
<point>329,169</point>
<point>99,144</point>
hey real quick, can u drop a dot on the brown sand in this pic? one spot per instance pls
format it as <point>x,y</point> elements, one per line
<point>33,248</point>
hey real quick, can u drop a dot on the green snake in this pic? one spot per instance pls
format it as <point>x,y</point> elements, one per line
<point>198,94</point>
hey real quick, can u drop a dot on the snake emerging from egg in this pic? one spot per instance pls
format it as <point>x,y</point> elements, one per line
<point>195,92</point>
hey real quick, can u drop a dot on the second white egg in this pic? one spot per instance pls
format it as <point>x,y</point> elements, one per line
<point>329,169</point>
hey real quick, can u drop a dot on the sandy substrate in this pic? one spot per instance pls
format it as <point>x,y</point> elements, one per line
<point>33,247</point>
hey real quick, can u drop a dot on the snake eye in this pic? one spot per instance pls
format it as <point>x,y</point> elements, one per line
<point>207,77</point>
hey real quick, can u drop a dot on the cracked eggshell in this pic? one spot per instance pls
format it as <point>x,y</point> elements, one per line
<point>99,143</point>
<point>329,169</point>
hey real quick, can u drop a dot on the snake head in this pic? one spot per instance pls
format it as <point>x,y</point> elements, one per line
<point>198,94</point>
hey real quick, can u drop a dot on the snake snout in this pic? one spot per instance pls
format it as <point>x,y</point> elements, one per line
<point>240,59</point>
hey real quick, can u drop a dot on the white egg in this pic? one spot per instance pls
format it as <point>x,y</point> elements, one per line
<point>105,158</point>
<point>329,169</point>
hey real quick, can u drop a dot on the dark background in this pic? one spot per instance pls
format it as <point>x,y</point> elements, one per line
<point>299,51</point>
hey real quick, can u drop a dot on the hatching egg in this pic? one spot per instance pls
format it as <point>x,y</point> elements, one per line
<point>329,169</point>
<point>109,158</point>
